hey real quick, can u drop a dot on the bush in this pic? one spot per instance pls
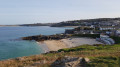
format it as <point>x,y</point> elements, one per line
<point>116,39</point>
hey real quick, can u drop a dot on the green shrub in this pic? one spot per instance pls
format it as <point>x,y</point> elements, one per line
<point>116,39</point>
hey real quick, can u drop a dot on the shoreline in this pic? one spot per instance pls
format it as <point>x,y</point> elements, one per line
<point>55,45</point>
<point>44,47</point>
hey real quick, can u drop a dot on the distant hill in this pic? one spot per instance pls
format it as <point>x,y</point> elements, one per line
<point>79,22</point>
<point>70,23</point>
<point>38,24</point>
<point>9,25</point>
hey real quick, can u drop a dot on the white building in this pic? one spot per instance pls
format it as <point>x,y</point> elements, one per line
<point>107,28</point>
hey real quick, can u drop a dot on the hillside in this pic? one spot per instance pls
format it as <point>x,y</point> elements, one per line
<point>98,56</point>
<point>37,24</point>
<point>85,21</point>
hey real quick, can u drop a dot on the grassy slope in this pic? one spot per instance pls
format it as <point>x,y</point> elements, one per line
<point>100,56</point>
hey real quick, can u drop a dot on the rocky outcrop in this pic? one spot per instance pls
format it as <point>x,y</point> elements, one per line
<point>70,62</point>
<point>46,37</point>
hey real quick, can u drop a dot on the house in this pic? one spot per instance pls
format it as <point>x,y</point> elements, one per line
<point>117,32</point>
<point>107,28</point>
<point>84,32</point>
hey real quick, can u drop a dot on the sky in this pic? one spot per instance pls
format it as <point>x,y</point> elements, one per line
<point>50,11</point>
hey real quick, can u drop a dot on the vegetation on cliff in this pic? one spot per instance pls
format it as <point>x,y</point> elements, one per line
<point>116,39</point>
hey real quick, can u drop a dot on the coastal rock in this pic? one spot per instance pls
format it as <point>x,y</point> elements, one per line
<point>46,37</point>
<point>87,59</point>
<point>70,62</point>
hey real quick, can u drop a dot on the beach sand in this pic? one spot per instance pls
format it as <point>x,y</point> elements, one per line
<point>54,45</point>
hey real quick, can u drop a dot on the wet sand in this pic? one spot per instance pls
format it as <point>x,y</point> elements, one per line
<point>44,46</point>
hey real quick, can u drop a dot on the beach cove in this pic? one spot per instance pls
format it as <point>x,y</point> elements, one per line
<point>55,45</point>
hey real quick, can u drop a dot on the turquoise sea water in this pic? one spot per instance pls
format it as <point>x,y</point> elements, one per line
<point>12,47</point>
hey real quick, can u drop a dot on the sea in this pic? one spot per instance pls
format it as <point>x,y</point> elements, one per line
<point>11,45</point>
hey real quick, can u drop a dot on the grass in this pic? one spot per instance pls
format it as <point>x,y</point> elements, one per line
<point>91,48</point>
<point>104,62</point>
<point>99,55</point>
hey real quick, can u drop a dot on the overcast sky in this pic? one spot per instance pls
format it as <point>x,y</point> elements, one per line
<point>44,11</point>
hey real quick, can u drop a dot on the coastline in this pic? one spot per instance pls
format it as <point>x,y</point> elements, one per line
<point>44,47</point>
<point>55,45</point>
<point>9,25</point>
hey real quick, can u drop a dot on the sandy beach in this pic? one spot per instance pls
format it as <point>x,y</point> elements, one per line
<point>54,45</point>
